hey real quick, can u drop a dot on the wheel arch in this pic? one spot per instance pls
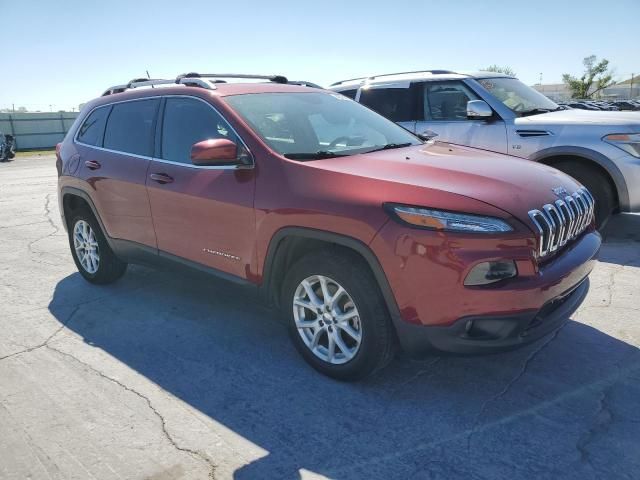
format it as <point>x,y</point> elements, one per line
<point>554,155</point>
<point>73,198</point>
<point>291,243</point>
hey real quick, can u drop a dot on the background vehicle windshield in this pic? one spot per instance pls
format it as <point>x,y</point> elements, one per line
<point>516,95</point>
<point>313,125</point>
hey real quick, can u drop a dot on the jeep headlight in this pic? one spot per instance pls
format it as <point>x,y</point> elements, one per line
<point>448,221</point>
<point>629,142</point>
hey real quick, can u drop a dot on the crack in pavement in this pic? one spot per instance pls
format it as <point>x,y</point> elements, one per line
<point>521,372</point>
<point>603,420</point>
<point>194,453</point>
<point>49,338</point>
<point>76,307</point>
<point>56,229</point>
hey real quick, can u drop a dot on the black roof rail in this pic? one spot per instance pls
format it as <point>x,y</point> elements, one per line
<point>434,72</point>
<point>204,80</point>
<point>304,83</point>
<point>271,78</point>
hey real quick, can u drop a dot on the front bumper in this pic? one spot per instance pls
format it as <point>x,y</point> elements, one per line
<point>490,334</point>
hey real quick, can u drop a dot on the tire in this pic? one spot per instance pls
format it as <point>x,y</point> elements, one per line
<point>377,344</point>
<point>599,186</point>
<point>107,268</point>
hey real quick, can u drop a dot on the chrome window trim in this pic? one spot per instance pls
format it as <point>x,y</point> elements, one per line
<point>162,160</point>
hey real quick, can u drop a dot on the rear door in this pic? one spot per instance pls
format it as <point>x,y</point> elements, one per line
<point>396,101</point>
<point>444,112</point>
<point>201,214</point>
<point>115,144</point>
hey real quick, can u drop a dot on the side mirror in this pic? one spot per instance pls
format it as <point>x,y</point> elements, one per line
<point>478,109</point>
<point>219,151</point>
<point>427,135</point>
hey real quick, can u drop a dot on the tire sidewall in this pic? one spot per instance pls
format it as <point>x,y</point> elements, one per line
<point>103,246</point>
<point>372,316</point>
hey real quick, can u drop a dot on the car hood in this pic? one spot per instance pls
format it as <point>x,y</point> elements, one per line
<point>582,117</point>
<point>511,184</point>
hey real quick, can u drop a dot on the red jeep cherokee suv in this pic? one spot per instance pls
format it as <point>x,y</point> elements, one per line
<point>365,236</point>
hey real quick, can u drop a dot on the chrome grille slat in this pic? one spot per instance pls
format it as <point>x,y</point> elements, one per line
<point>562,221</point>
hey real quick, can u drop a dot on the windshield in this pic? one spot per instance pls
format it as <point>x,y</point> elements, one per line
<point>517,96</point>
<point>315,125</point>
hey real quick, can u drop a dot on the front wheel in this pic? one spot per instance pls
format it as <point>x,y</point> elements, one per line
<point>337,318</point>
<point>597,184</point>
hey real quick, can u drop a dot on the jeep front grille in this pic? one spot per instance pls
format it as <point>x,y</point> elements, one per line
<point>563,220</point>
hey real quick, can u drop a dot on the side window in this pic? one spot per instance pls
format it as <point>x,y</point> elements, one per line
<point>187,121</point>
<point>349,93</point>
<point>92,129</point>
<point>394,103</point>
<point>446,100</point>
<point>130,127</point>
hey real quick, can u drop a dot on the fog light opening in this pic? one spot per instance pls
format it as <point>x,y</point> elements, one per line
<point>486,273</point>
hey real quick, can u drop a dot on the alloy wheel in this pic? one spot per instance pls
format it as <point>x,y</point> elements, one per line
<point>86,246</point>
<point>327,319</point>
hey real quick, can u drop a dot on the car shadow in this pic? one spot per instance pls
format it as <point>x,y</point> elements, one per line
<point>518,414</point>
<point>621,238</point>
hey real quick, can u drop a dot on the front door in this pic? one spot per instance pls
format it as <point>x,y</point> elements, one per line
<point>201,214</point>
<point>444,112</point>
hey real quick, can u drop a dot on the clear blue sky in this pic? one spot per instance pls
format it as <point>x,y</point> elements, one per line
<point>67,52</point>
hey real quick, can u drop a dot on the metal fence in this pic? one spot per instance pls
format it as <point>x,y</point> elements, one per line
<point>37,130</point>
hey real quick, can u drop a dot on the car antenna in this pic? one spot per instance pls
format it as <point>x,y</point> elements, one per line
<point>149,77</point>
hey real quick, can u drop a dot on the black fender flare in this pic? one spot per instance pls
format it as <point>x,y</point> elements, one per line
<point>87,198</point>
<point>330,237</point>
<point>596,157</point>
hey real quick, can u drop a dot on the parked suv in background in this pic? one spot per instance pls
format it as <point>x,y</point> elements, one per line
<point>361,233</point>
<point>497,112</point>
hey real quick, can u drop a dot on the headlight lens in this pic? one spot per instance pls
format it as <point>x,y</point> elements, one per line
<point>629,142</point>
<point>449,221</point>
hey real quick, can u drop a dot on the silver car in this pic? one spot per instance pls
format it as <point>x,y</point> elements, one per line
<point>497,112</point>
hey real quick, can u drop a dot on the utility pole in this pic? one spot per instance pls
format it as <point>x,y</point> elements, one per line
<point>13,107</point>
<point>540,78</point>
<point>631,87</point>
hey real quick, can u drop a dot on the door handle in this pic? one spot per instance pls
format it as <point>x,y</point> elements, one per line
<point>161,178</point>
<point>92,164</point>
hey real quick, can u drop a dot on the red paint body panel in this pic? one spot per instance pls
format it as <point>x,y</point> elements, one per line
<point>205,209</point>
<point>119,193</point>
<point>237,213</point>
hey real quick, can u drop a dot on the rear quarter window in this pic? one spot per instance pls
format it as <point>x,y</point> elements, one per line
<point>394,103</point>
<point>130,127</point>
<point>92,129</point>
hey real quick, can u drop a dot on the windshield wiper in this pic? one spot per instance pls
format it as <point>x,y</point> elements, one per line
<point>389,146</point>
<point>319,155</point>
<point>536,111</point>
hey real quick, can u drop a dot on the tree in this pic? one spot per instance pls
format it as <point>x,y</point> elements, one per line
<point>499,69</point>
<point>596,77</point>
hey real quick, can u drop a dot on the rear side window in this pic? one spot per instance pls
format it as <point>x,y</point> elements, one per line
<point>394,103</point>
<point>92,129</point>
<point>187,121</point>
<point>130,127</point>
<point>349,93</point>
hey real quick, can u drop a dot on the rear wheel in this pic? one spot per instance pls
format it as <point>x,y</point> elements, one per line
<point>599,186</point>
<point>337,318</point>
<point>91,253</point>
